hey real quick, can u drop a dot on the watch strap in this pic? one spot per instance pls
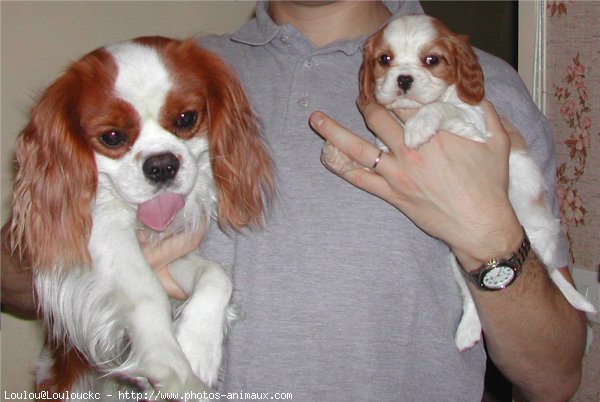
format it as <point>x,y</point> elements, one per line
<point>515,261</point>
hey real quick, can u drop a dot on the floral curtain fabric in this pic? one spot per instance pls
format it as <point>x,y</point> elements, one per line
<point>573,107</point>
<point>572,103</point>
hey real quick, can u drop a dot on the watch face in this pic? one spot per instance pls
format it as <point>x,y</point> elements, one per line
<point>498,277</point>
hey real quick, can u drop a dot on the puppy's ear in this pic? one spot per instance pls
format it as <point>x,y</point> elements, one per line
<point>366,74</point>
<point>241,165</point>
<point>55,181</point>
<point>469,75</point>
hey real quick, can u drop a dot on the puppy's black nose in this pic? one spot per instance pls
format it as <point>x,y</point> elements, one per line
<point>161,167</point>
<point>404,82</point>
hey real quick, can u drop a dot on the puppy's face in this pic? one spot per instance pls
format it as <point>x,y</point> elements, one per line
<point>414,60</point>
<point>152,122</point>
<point>150,135</point>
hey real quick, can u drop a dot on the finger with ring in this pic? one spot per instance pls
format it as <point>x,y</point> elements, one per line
<point>377,159</point>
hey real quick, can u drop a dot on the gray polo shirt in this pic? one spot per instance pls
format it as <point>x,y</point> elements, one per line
<point>344,298</point>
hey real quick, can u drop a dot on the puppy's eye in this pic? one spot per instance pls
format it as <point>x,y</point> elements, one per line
<point>385,60</point>
<point>113,138</point>
<point>432,60</point>
<point>186,120</point>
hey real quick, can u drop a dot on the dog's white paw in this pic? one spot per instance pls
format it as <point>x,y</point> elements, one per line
<point>337,161</point>
<point>205,354</point>
<point>171,376</point>
<point>203,344</point>
<point>466,130</point>
<point>468,332</point>
<point>420,128</point>
<point>428,120</point>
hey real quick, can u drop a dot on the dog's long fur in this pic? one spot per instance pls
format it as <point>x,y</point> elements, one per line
<point>414,62</point>
<point>85,166</point>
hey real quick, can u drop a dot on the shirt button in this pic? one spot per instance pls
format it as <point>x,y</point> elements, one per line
<point>309,63</point>
<point>285,39</point>
<point>304,101</point>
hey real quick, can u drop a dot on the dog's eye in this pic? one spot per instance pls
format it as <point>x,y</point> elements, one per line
<point>432,60</point>
<point>186,120</point>
<point>385,59</point>
<point>113,138</point>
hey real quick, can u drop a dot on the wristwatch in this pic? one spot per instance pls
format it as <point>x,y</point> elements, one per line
<point>497,275</point>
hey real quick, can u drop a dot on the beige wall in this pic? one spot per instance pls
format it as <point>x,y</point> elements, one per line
<point>38,41</point>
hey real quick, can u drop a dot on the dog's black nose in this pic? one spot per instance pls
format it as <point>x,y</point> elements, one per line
<point>404,82</point>
<point>161,168</point>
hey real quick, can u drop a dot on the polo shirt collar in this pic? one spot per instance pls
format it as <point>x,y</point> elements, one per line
<point>262,29</point>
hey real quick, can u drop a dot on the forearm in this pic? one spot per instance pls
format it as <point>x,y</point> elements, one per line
<point>17,284</point>
<point>457,191</point>
<point>533,334</point>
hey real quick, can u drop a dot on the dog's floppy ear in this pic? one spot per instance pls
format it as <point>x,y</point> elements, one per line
<point>241,165</point>
<point>469,75</point>
<point>55,181</point>
<point>366,76</point>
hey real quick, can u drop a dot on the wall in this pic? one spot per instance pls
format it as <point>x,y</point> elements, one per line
<point>38,41</point>
<point>572,80</point>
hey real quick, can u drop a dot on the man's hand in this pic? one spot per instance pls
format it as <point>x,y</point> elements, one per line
<point>453,188</point>
<point>160,255</point>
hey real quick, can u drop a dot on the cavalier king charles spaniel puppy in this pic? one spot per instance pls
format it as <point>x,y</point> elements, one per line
<point>151,133</point>
<point>414,62</point>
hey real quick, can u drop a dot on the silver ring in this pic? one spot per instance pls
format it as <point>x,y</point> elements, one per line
<point>377,160</point>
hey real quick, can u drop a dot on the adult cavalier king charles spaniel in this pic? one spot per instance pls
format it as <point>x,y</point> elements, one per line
<point>414,62</point>
<point>150,133</point>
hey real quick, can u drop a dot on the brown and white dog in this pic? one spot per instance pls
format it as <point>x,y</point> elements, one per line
<point>151,133</point>
<point>415,62</point>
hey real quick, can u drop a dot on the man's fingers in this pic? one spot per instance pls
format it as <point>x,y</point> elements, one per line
<point>370,182</point>
<point>353,158</point>
<point>351,145</point>
<point>386,126</point>
<point>169,284</point>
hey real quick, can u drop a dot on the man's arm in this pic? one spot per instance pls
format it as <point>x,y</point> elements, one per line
<point>17,278</point>
<point>533,335</point>
<point>457,190</point>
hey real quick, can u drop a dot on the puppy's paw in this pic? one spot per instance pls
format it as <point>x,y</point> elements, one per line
<point>419,129</point>
<point>466,130</point>
<point>336,160</point>
<point>205,352</point>
<point>468,332</point>
<point>203,343</point>
<point>171,376</point>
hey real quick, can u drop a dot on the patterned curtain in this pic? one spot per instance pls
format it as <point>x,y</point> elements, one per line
<point>570,47</point>
<point>573,107</point>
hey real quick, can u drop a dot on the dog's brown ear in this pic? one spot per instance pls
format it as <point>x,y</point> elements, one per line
<point>366,76</point>
<point>469,75</point>
<point>55,182</point>
<point>241,163</point>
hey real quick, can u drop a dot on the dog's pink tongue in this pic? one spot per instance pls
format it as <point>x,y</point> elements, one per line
<point>160,211</point>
